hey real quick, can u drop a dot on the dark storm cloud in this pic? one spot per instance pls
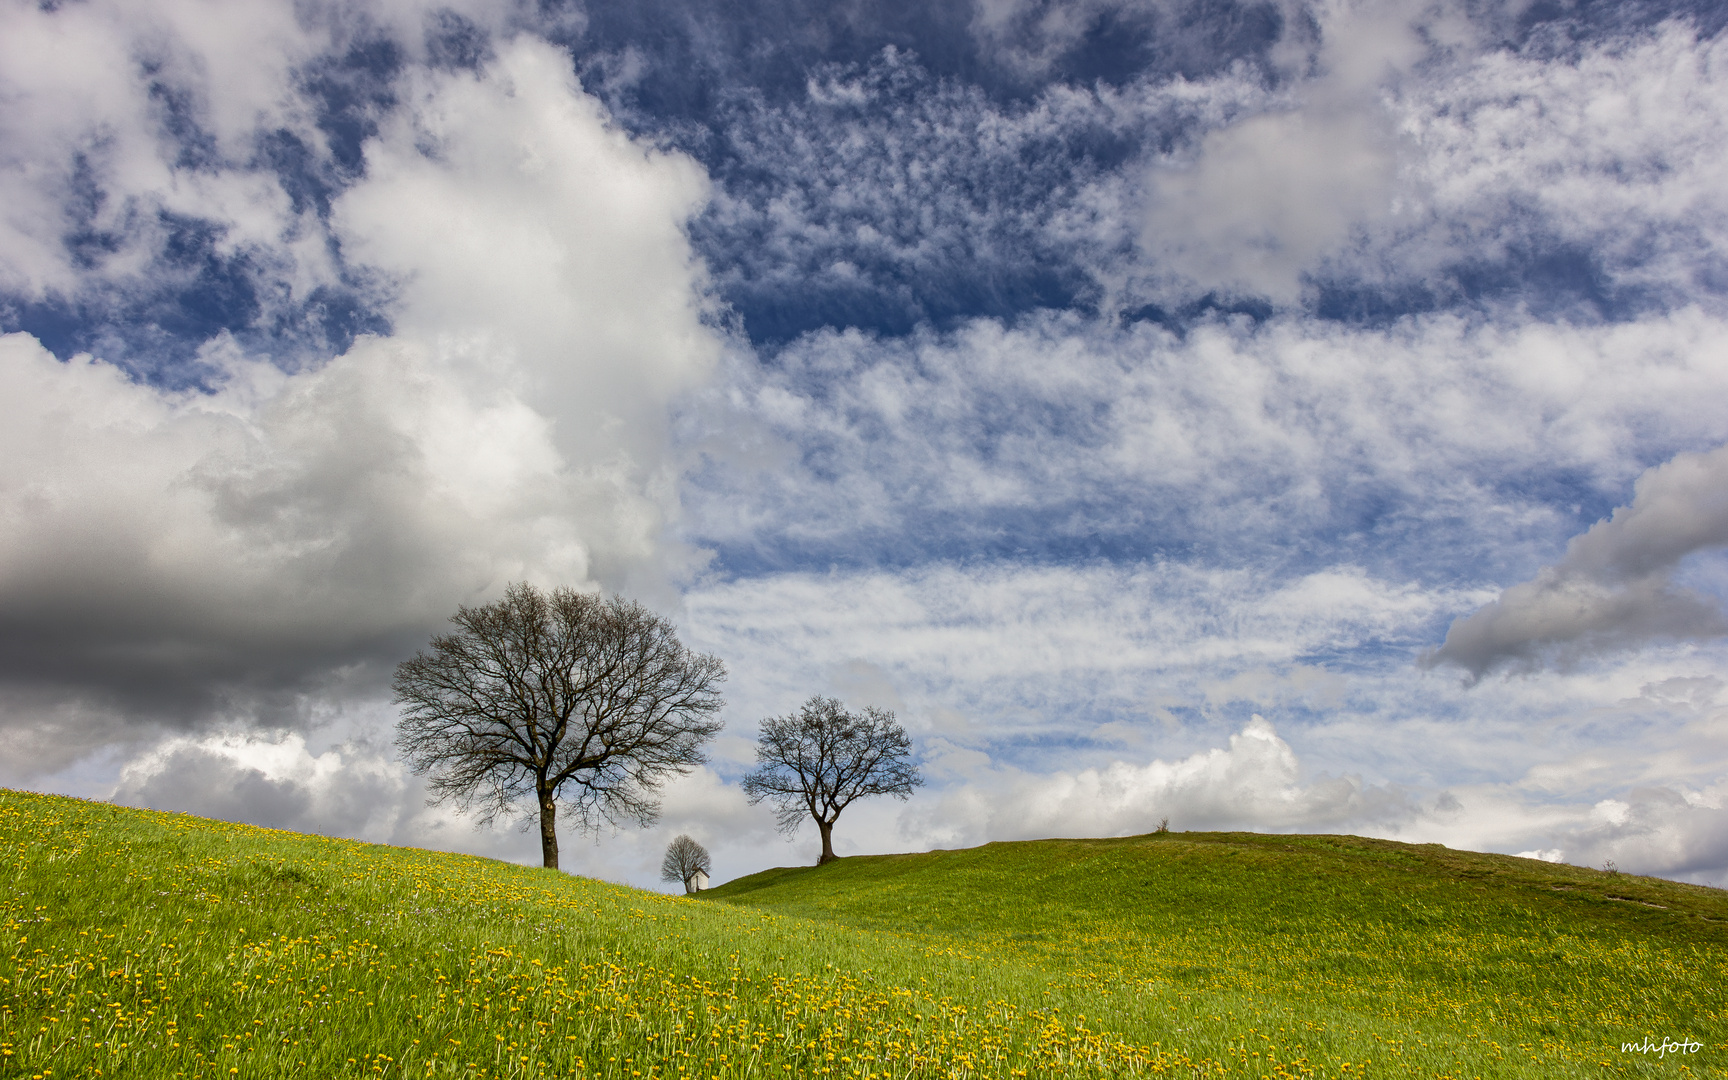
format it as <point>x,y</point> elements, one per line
<point>172,567</point>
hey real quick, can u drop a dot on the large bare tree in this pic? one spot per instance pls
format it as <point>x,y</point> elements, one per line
<point>817,761</point>
<point>560,695</point>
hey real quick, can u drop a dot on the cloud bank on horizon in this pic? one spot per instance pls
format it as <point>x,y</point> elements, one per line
<point>1263,415</point>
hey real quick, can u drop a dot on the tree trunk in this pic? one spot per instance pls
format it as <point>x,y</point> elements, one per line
<point>827,828</point>
<point>549,832</point>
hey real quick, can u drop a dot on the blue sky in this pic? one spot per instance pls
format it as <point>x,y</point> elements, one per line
<point>1272,416</point>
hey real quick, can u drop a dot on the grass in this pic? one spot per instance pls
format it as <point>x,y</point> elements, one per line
<point>1323,948</point>
<point>158,945</point>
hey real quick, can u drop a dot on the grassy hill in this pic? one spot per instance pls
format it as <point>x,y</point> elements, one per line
<point>159,945</point>
<point>1331,948</point>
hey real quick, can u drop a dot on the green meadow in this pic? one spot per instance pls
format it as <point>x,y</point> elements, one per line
<point>160,945</point>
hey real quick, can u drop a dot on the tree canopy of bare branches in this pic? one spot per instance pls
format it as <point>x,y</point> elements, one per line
<point>684,857</point>
<point>819,760</point>
<point>556,696</point>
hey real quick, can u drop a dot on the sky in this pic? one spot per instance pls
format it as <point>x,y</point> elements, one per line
<point>1286,416</point>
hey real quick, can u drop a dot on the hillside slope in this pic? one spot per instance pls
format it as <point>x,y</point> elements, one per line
<point>1247,882</point>
<point>160,945</point>
<point>152,945</point>
<point>1557,965</point>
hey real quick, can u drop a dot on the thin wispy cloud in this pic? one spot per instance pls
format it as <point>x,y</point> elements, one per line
<point>1293,439</point>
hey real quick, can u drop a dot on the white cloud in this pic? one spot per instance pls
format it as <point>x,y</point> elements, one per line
<point>530,234</point>
<point>1552,855</point>
<point>1254,784</point>
<point>1614,588</point>
<point>77,80</point>
<point>987,655</point>
<point>1397,149</point>
<point>1233,435</point>
<point>173,557</point>
<point>1391,154</point>
<point>890,196</point>
<point>1261,200</point>
<point>1420,148</point>
<point>1267,197</point>
<point>352,791</point>
<point>1259,783</point>
<point>344,780</point>
<point>1098,699</point>
<point>1669,830</point>
<point>134,135</point>
<point>1612,151</point>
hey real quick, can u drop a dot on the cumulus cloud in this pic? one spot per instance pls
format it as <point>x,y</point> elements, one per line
<point>346,781</point>
<point>1258,782</point>
<point>1106,698</point>
<point>1615,587</point>
<point>1629,767</point>
<point>542,246</point>
<point>1253,784</point>
<point>352,791</point>
<point>120,116</point>
<point>251,555</point>
<point>173,557</point>
<point>1267,197</point>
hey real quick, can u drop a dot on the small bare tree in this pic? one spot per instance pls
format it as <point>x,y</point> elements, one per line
<point>817,761</point>
<point>684,859</point>
<point>542,695</point>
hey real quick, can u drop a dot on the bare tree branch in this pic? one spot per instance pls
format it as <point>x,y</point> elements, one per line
<point>821,759</point>
<point>559,695</point>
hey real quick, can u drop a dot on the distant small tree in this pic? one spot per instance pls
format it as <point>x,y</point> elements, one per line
<point>684,857</point>
<point>540,695</point>
<point>818,761</point>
